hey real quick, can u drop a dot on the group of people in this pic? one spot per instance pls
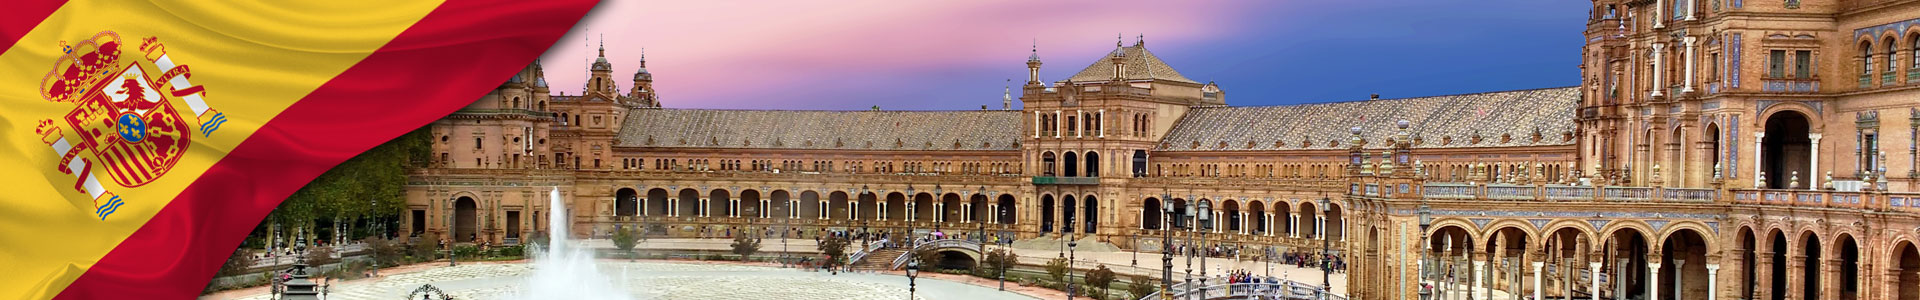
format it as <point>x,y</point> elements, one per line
<point>1326,262</point>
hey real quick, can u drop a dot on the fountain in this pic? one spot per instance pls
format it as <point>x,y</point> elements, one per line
<point>564,271</point>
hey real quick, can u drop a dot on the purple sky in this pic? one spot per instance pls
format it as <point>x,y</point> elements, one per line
<point>957,55</point>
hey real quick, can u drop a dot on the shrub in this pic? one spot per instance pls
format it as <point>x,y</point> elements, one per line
<point>466,252</point>
<point>320,256</point>
<point>1099,278</point>
<point>625,238</point>
<point>835,248</point>
<point>998,260</point>
<point>386,252</point>
<point>1140,287</point>
<point>745,246</point>
<point>1057,269</point>
<point>426,248</point>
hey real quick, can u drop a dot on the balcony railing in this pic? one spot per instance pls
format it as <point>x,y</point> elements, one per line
<point>1055,180</point>
<point>1790,85</point>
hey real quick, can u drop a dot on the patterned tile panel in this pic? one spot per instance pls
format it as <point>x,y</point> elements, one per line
<point>847,130</point>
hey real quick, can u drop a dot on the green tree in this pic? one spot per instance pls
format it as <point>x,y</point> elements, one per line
<point>366,188</point>
<point>745,246</point>
<point>624,239</point>
<point>1101,278</point>
<point>320,256</point>
<point>1057,269</point>
<point>835,248</point>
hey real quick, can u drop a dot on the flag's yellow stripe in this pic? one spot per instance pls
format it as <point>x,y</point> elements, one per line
<point>255,58</point>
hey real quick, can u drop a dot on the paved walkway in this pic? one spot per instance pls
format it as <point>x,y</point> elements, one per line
<point>664,281</point>
<point>1122,262</point>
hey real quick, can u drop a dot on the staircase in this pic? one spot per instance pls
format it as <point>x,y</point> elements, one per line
<point>879,260</point>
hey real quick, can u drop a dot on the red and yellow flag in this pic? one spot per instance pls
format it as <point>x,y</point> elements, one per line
<point>142,140</point>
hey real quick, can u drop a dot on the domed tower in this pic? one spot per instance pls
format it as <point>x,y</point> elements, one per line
<point>601,82</point>
<point>642,91</point>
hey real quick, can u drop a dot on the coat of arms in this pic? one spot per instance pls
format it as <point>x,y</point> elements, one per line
<point>126,117</point>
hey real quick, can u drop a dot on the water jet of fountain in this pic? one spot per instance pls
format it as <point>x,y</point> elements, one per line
<point>564,271</point>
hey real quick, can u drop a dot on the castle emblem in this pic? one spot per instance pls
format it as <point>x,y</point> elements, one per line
<point>125,116</point>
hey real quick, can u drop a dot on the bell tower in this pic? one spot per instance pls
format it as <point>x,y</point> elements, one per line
<point>642,92</point>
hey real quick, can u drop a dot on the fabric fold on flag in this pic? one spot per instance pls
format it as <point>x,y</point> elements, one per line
<point>150,138</point>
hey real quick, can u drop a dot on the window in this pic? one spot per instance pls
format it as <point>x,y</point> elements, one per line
<point>1713,69</point>
<point>1803,64</point>
<point>1777,64</point>
<point>476,143</point>
<point>1866,59</point>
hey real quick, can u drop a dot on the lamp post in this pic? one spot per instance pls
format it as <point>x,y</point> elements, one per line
<point>1003,258</point>
<point>1070,286</point>
<point>913,270</point>
<point>939,215</point>
<point>1206,223</point>
<point>1426,222</point>
<point>1184,220</point>
<point>1166,249</point>
<point>1326,251</point>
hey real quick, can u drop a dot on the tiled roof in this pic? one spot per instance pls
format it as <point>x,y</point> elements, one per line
<point>1436,122</point>
<point>845,130</point>
<point>1141,64</point>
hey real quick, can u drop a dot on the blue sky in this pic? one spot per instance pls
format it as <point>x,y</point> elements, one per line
<point>915,55</point>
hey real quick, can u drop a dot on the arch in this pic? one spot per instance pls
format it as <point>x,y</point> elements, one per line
<point>749,204</point>
<point>778,204</point>
<point>809,204</point>
<point>657,202</point>
<point>949,208</point>
<point>1093,164</point>
<point>1747,279</point>
<point>1067,213</point>
<point>1631,242</point>
<point>1786,147</point>
<point>1139,163</point>
<point>1309,213</point>
<point>1092,214</point>
<point>1584,229</point>
<point>1848,251</point>
<point>979,211</point>
<point>1777,243</point>
<point>1008,208</point>
<point>1283,212</point>
<point>1150,213</point>
<point>951,259</point>
<point>626,202</point>
<point>465,220</point>
<point>923,208</point>
<point>1907,257</point>
<point>867,207</point>
<point>1684,254</point>
<point>1696,228</point>
<point>1502,224</point>
<point>1636,227</point>
<point>1449,242</point>
<point>689,203</point>
<point>1337,222</point>
<point>1070,164</point>
<point>1046,213</point>
<point>1046,163</point>
<point>718,201</point>
<point>1810,248</point>
<point>837,207</point>
<point>1231,209</point>
<point>895,208</point>
<point>1714,150</point>
<point>1259,212</point>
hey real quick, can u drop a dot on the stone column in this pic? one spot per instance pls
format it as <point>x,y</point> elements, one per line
<point>1081,118</point>
<point>1688,87</point>
<point>1538,285</point>
<point>1036,124</point>
<point>1653,280</point>
<point>1593,270</point>
<point>1763,273</point>
<point>1794,276</point>
<point>1757,137</point>
<point>1713,281</point>
<point>1479,279</point>
<point>1659,69</point>
<point>1830,279</point>
<point>1056,123</point>
<point>1813,164</point>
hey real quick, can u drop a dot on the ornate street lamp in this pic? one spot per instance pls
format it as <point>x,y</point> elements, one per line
<point>1166,248</point>
<point>1003,258</point>
<point>1206,223</point>
<point>1326,251</point>
<point>1187,219</point>
<point>1069,282</point>
<point>1426,222</point>
<point>913,271</point>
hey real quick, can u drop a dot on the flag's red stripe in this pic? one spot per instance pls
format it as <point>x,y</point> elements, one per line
<point>116,163</point>
<point>19,18</point>
<point>449,59</point>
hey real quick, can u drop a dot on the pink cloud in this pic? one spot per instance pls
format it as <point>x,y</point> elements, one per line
<point>739,54</point>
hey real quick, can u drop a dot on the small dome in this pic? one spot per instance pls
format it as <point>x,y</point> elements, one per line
<point>601,64</point>
<point>515,79</point>
<point>541,83</point>
<point>642,74</point>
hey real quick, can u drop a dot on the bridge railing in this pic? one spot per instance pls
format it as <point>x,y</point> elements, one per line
<point>940,243</point>
<point>882,243</point>
<point>1285,289</point>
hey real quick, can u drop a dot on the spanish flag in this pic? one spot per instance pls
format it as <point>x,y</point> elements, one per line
<point>140,141</point>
